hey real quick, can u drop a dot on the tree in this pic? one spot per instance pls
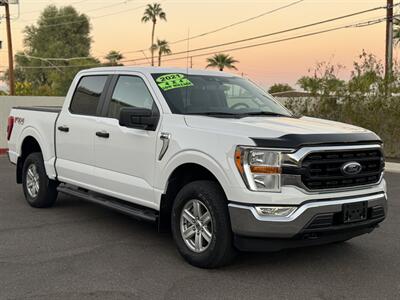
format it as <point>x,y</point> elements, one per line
<point>113,57</point>
<point>163,48</point>
<point>23,89</point>
<point>222,61</point>
<point>152,13</point>
<point>48,39</point>
<point>280,87</point>
<point>367,75</point>
<point>323,80</point>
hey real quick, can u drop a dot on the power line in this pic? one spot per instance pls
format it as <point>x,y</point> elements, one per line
<point>97,17</point>
<point>355,25</point>
<point>53,59</point>
<point>226,26</point>
<point>182,40</point>
<point>273,33</point>
<point>239,22</point>
<point>241,40</point>
<point>36,11</point>
<point>61,67</point>
<point>91,10</point>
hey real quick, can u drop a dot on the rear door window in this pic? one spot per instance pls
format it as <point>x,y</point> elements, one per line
<point>87,95</point>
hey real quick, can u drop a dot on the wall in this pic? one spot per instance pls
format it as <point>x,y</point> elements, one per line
<point>8,102</point>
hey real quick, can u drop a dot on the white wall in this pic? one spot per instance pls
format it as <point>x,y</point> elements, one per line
<point>8,102</point>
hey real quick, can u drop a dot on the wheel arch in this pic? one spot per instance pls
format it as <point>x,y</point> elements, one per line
<point>180,176</point>
<point>29,145</point>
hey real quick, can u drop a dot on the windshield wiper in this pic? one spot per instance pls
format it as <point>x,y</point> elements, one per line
<point>265,113</point>
<point>214,113</point>
<point>238,115</point>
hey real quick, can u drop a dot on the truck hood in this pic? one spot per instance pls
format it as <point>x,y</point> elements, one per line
<point>285,132</point>
<point>271,127</point>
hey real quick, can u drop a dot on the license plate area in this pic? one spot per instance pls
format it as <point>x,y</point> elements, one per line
<point>355,212</point>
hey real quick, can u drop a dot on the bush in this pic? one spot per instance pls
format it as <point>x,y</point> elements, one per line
<point>376,113</point>
<point>368,99</point>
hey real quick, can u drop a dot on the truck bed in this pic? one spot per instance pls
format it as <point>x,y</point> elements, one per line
<point>37,122</point>
<point>53,109</point>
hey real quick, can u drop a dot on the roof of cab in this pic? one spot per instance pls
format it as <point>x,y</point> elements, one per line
<point>151,70</point>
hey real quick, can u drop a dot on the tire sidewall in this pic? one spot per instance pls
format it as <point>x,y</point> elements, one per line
<point>37,160</point>
<point>220,230</point>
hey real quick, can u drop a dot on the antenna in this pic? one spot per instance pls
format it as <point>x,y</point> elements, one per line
<point>187,71</point>
<point>144,54</point>
<point>187,53</point>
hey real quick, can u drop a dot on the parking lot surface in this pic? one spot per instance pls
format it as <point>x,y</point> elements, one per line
<point>78,250</point>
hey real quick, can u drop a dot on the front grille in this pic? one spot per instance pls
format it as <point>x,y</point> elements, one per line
<point>323,170</point>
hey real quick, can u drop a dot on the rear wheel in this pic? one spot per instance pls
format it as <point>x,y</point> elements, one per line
<point>39,190</point>
<point>201,225</point>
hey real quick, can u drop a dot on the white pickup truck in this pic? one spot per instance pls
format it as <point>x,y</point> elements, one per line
<point>208,155</point>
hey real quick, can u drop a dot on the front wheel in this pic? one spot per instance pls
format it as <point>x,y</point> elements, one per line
<point>201,226</point>
<point>39,190</point>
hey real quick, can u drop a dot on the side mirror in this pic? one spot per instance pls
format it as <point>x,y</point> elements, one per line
<point>140,118</point>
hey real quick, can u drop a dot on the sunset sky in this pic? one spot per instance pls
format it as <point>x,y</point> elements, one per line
<point>281,62</point>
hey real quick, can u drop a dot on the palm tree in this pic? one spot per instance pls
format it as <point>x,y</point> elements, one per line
<point>222,61</point>
<point>114,57</point>
<point>163,48</point>
<point>152,13</point>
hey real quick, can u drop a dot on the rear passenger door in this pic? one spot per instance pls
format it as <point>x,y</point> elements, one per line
<point>76,129</point>
<point>125,157</point>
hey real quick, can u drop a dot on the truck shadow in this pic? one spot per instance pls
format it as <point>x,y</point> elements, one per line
<point>344,252</point>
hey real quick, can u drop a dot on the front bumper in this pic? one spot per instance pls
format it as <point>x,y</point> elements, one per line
<point>315,222</point>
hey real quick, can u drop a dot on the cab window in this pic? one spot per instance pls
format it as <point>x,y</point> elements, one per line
<point>130,91</point>
<point>87,95</point>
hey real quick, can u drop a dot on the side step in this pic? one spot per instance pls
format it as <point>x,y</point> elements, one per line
<point>135,211</point>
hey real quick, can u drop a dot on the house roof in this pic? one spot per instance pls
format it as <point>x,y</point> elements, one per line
<point>289,94</point>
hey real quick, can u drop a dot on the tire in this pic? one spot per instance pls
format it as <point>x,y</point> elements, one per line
<point>44,193</point>
<point>218,250</point>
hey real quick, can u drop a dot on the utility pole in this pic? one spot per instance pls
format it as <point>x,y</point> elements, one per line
<point>10,51</point>
<point>389,41</point>
<point>11,84</point>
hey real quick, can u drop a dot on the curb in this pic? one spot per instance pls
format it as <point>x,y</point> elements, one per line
<point>392,167</point>
<point>3,151</point>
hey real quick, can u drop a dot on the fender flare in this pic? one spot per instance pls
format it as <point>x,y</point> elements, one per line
<point>194,157</point>
<point>46,150</point>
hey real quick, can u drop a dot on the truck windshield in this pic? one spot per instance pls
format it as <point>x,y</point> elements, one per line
<point>216,96</point>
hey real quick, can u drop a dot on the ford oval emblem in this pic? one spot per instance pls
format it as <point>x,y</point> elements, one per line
<point>351,168</point>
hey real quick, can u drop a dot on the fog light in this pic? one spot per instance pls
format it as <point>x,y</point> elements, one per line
<point>275,211</point>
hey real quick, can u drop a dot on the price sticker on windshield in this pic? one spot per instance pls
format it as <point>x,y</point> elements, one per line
<point>173,81</point>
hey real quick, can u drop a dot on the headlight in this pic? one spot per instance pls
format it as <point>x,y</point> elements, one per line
<point>260,169</point>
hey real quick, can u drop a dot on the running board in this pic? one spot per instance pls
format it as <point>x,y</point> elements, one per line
<point>132,210</point>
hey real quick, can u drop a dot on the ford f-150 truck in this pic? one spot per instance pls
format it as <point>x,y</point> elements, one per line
<point>208,155</point>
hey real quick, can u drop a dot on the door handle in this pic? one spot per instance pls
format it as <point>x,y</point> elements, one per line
<point>63,128</point>
<point>103,134</point>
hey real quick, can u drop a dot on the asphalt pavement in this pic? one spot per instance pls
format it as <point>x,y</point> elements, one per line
<point>78,250</point>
